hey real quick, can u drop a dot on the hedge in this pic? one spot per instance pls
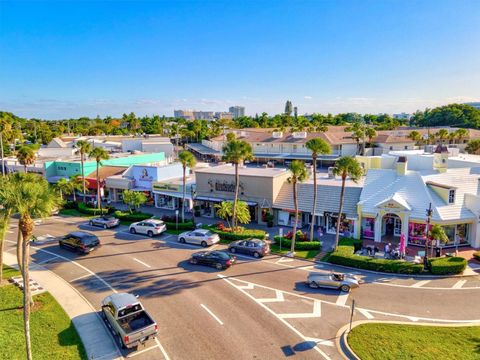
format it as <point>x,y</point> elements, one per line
<point>245,234</point>
<point>476,255</point>
<point>299,245</point>
<point>447,265</point>
<point>83,208</point>
<point>345,256</point>
<point>127,216</point>
<point>181,226</point>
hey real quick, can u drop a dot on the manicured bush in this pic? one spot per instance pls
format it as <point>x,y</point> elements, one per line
<point>83,208</point>
<point>299,245</point>
<point>69,205</point>
<point>127,216</point>
<point>447,265</point>
<point>188,225</point>
<point>240,235</point>
<point>476,255</point>
<point>345,256</point>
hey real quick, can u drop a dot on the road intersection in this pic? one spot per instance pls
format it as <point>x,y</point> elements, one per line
<point>256,309</point>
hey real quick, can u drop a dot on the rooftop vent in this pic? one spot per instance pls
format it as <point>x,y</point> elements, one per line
<point>277,134</point>
<point>299,135</point>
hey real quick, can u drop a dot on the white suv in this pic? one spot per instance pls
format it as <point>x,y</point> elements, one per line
<point>148,227</point>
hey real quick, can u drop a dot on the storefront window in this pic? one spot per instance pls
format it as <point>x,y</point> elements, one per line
<point>368,228</point>
<point>461,236</point>
<point>416,233</point>
<point>346,226</point>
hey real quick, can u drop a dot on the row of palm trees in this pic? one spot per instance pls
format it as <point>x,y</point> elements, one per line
<point>441,136</point>
<point>31,197</point>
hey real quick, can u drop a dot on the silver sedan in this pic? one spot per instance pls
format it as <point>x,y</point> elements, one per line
<point>104,221</point>
<point>343,282</point>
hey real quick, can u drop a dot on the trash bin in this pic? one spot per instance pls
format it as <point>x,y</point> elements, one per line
<point>438,252</point>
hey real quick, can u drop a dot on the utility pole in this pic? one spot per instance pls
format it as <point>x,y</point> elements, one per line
<point>429,218</point>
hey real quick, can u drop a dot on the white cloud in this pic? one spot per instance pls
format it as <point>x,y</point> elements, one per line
<point>307,97</point>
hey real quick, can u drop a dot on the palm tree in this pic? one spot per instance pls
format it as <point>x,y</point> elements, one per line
<point>442,134</point>
<point>461,134</point>
<point>236,152</point>
<point>299,174</point>
<point>370,133</point>
<point>345,167</point>
<point>76,184</point>
<point>415,136</point>
<point>34,199</point>
<point>317,146</point>
<point>99,154</point>
<point>187,159</point>
<point>84,148</point>
<point>63,187</point>
<point>7,199</point>
<point>26,156</point>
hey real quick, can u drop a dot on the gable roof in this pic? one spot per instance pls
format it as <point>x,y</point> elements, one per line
<point>56,143</point>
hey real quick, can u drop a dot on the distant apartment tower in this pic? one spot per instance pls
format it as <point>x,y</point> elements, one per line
<point>237,111</point>
<point>224,115</point>
<point>184,114</point>
<point>203,115</point>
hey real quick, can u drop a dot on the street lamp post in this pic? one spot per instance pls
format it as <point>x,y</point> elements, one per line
<point>193,193</point>
<point>176,219</point>
<point>429,217</point>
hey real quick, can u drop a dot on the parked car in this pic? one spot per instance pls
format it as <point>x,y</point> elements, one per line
<point>217,259</point>
<point>80,241</point>
<point>344,282</point>
<point>128,320</point>
<point>149,227</point>
<point>104,221</point>
<point>254,247</point>
<point>202,237</point>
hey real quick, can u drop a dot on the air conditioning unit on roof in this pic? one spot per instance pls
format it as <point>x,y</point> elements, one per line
<point>277,134</point>
<point>299,135</point>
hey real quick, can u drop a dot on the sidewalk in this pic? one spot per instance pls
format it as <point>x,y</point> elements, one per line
<point>96,339</point>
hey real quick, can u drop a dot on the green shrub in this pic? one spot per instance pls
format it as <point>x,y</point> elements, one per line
<point>69,205</point>
<point>476,255</point>
<point>345,256</point>
<point>447,265</point>
<point>188,225</point>
<point>245,234</point>
<point>127,216</point>
<point>83,208</point>
<point>299,245</point>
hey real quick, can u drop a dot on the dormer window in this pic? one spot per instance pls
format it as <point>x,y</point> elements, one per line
<point>451,196</point>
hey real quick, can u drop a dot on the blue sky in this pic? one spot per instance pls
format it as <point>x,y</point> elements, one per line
<point>67,59</point>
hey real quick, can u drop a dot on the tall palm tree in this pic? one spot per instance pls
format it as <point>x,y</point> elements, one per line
<point>187,159</point>
<point>7,199</point>
<point>415,136</point>
<point>34,199</point>
<point>299,174</point>
<point>317,146</point>
<point>236,152</point>
<point>26,156</point>
<point>84,148</point>
<point>461,134</point>
<point>76,184</point>
<point>63,187</point>
<point>370,133</point>
<point>345,167</point>
<point>442,135</point>
<point>99,154</point>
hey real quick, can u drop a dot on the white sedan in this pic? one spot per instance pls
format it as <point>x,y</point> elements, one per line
<point>200,237</point>
<point>148,227</point>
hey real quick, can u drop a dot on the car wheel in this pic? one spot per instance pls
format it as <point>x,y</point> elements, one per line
<point>345,288</point>
<point>232,250</point>
<point>193,261</point>
<point>219,266</point>
<point>182,240</point>
<point>256,255</point>
<point>313,285</point>
<point>105,226</point>
<point>150,233</point>
<point>204,244</point>
<point>133,231</point>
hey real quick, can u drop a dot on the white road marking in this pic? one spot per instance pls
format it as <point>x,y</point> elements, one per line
<point>420,283</point>
<point>365,313</point>
<point>249,286</point>
<point>46,260</point>
<point>320,341</point>
<point>314,314</point>
<point>285,322</point>
<point>278,297</point>
<point>142,351</point>
<point>212,314</point>
<point>426,288</point>
<point>80,277</point>
<point>141,262</point>
<point>459,284</point>
<point>165,355</point>
<point>342,298</point>
<point>284,259</point>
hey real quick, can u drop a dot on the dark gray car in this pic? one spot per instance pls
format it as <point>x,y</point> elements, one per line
<point>253,247</point>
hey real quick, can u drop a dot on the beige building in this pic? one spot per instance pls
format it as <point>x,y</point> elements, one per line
<point>259,188</point>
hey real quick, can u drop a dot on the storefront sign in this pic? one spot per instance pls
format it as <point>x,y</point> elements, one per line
<point>332,214</point>
<point>224,186</point>
<point>165,187</point>
<point>145,176</point>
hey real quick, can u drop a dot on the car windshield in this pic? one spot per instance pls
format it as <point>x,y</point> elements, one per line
<point>208,233</point>
<point>87,240</point>
<point>221,255</point>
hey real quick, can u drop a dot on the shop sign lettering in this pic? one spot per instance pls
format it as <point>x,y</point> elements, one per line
<point>166,187</point>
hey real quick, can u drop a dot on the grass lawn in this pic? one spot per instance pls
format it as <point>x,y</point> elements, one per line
<point>304,254</point>
<point>174,231</point>
<point>391,341</point>
<point>52,332</point>
<point>73,212</point>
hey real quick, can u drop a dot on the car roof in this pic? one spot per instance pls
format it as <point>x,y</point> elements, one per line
<point>123,299</point>
<point>81,234</point>
<point>153,220</point>
<point>203,231</point>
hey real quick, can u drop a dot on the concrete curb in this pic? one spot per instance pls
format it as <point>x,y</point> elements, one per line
<point>91,328</point>
<point>341,338</point>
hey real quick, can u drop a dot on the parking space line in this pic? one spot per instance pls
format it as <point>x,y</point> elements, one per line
<point>459,284</point>
<point>314,314</point>
<point>420,283</point>
<point>278,297</point>
<point>365,313</point>
<point>165,355</point>
<point>141,262</point>
<point>212,314</point>
<point>142,351</point>
<point>342,298</point>
<point>80,277</point>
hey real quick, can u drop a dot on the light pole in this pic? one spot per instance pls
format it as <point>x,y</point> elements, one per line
<point>193,193</point>
<point>176,219</point>
<point>429,217</point>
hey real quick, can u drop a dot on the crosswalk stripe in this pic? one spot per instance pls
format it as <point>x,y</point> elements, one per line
<point>420,283</point>
<point>365,313</point>
<point>459,284</point>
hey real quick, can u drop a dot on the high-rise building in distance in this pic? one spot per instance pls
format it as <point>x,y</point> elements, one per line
<point>237,111</point>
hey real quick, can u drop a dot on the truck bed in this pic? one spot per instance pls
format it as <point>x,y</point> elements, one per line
<point>135,322</point>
